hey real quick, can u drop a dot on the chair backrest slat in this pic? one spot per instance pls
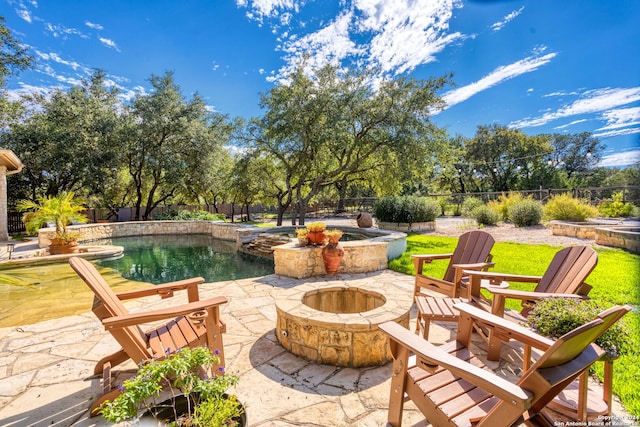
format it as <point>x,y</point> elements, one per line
<point>131,338</point>
<point>473,247</point>
<point>568,270</point>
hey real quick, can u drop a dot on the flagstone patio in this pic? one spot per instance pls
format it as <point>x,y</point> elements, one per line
<point>46,369</point>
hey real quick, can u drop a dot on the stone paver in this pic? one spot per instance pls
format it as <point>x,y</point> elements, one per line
<point>46,368</point>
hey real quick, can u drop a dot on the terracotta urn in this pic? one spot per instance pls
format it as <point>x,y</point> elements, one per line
<point>316,237</point>
<point>332,255</point>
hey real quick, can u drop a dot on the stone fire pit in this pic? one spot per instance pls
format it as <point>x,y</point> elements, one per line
<point>337,323</point>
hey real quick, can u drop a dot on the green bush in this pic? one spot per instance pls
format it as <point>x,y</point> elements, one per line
<point>469,205</point>
<point>505,202</point>
<point>616,208</point>
<point>443,202</point>
<point>405,209</point>
<point>565,207</point>
<point>485,215</point>
<point>185,215</point>
<point>554,317</point>
<point>525,213</point>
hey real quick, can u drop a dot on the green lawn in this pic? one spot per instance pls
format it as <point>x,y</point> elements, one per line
<point>615,280</point>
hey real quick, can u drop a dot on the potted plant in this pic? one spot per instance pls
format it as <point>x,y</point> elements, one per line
<point>302,235</point>
<point>332,253</point>
<point>195,398</point>
<point>60,210</point>
<point>315,232</point>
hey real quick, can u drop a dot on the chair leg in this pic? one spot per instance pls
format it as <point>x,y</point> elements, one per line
<point>398,379</point>
<point>422,324</point>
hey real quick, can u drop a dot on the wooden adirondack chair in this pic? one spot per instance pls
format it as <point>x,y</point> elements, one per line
<point>194,324</point>
<point>451,387</point>
<point>473,252</point>
<point>564,277</point>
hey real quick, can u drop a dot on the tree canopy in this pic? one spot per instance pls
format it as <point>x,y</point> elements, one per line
<point>326,126</point>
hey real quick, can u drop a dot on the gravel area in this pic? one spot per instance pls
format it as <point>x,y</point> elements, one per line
<point>455,226</point>
<point>538,234</point>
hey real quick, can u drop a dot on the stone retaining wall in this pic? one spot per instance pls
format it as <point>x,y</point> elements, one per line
<point>360,256</point>
<point>88,232</point>
<point>625,237</point>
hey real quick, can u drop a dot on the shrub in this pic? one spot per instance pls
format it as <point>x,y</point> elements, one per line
<point>185,215</point>
<point>405,209</point>
<point>444,204</point>
<point>485,215</point>
<point>616,208</point>
<point>505,202</point>
<point>554,317</point>
<point>565,207</point>
<point>469,205</point>
<point>525,213</point>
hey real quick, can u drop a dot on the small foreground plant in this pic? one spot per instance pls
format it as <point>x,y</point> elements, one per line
<point>554,317</point>
<point>180,373</point>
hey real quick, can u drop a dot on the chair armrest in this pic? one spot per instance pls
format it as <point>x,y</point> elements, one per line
<point>496,276</point>
<point>421,259</point>
<point>134,319</point>
<point>430,257</point>
<point>477,266</point>
<point>530,295</point>
<point>431,356</point>
<point>166,290</point>
<point>502,327</point>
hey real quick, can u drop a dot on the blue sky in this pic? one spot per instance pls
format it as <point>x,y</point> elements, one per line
<point>541,66</point>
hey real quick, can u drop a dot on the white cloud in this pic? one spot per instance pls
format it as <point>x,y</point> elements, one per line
<point>497,76</point>
<point>500,25</point>
<point>621,118</point>
<point>63,32</point>
<point>626,158</point>
<point>25,15</point>
<point>591,101</point>
<point>331,44</point>
<point>109,43</point>
<point>260,9</point>
<point>54,57</point>
<point>94,26</point>
<point>394,36</point>
<point>575,122</point>
<point>405,33</point>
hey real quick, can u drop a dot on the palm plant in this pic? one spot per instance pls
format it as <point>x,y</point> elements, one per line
<point>60,210</point>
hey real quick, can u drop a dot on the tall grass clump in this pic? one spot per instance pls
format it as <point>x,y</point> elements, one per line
<point>567,208</point>
<point>525,213</point>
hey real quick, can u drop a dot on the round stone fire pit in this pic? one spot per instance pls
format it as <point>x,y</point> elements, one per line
<point>337,324</point>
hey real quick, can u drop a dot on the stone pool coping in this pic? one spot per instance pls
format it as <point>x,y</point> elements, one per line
<point>87,252</point>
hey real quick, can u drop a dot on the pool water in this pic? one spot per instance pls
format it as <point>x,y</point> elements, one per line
<point>38,292</point>
<point>161,259</point>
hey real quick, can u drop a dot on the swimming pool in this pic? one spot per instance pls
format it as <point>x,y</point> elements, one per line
<point>167,258</point>
<point>37,292</point>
